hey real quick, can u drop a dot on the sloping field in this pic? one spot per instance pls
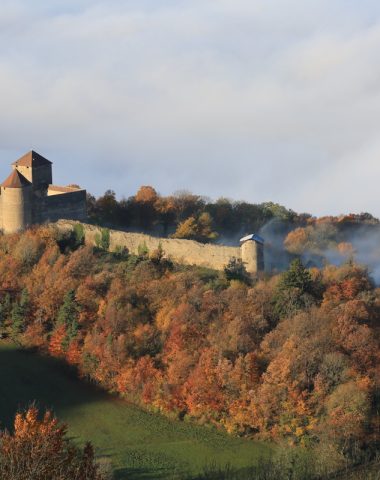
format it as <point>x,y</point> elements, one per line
<point>140,445</point>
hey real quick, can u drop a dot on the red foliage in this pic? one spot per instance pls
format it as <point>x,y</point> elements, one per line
<point>189,342</point>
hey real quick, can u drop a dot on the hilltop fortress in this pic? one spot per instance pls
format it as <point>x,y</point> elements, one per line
<point>28,197</point>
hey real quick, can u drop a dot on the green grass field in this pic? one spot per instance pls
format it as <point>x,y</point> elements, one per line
<point>140,445</point>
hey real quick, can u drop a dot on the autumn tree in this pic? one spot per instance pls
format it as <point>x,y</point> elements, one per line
<point>199,229</point>
<point>348,409</point>
<point>146,194</point>
<point>39,449</point>
<point>166,208</point>
<point>145,200</point>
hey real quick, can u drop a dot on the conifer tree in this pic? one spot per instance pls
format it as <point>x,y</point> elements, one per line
<point>295,290</point>
<point>68,316</point>
<point>19,312</point>
<point>297,277</point>
<point>69,309</point>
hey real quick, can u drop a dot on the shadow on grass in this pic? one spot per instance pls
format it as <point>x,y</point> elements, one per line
<point>142,445</point>
<point>26,377</point>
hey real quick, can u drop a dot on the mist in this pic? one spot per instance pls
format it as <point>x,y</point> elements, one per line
<point>364,238</point>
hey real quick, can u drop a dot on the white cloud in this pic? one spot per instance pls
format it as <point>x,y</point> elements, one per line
<point>253,99</point>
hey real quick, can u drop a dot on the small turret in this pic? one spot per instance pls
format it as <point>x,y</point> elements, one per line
<point>16,193</point>
<point>252,253</point>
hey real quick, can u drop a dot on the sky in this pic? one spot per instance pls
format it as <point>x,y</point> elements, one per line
<point>256,100</point>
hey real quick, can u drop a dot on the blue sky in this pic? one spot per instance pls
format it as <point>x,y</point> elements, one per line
<point>256,100</point>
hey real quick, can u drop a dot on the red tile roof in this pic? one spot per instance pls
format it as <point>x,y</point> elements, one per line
<point>15,180</point>
<point>32,159</point>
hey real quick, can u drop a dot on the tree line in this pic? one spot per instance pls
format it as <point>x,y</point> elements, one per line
<point>185,215</point>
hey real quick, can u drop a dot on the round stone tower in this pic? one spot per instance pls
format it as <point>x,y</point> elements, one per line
<point>252,253</point>
<point>16,205</point>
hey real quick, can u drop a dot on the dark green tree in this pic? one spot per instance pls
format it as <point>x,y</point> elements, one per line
<point>69,309</point>
<point>68,315</point>
<point>297,277</point>
<point>235,270</point>
<point>5,309</point>
<point>295,291</point>
<point>19,313</point>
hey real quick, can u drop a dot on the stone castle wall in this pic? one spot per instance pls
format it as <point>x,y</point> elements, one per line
<point>70,205</point>
<point>185,252</point>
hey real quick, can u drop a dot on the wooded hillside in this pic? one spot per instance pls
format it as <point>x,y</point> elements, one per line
<point>293,356</point>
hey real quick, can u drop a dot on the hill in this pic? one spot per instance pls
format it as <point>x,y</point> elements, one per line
<point>141,445</point>
<point>290,357</point>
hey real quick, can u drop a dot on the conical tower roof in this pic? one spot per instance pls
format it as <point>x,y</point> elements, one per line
<point>15,180</point>
<point>31,159</point>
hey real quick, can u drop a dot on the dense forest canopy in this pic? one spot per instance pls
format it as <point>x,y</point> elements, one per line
<point>292,356</point>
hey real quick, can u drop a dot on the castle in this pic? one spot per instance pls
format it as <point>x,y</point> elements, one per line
<point>29,197</point>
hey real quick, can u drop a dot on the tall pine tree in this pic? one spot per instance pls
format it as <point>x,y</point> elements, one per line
<point>68,316</point>
<point>19,313</point>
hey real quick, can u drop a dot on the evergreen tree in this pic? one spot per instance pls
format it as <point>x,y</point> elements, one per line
<point>69,310</point>
<point>295,291</point>
<point>68,316</point>
<point>6,306</point>
<point>235,270</point>
<point>19,312</point>
<point>297,277</point>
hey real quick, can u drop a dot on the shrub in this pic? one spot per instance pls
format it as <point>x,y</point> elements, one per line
<point>40,450</point>
<point>235,270</point>
<point>102,239</point>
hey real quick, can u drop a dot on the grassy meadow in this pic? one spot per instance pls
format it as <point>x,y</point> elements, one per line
<point>140,445</point>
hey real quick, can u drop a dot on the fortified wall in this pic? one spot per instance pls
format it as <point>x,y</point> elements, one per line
<point>187,252</point>
<point>29,197</point>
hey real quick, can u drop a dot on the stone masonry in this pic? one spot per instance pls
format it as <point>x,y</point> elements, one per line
<point>187,252</point>
<point>27,196</point>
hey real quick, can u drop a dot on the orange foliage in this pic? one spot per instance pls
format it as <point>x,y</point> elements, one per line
<point>296,240</point>
<point>56,342</point>
<point>39,450</point>
<point>188,341</point>
<point>146,194</point>
<point>73,354</point>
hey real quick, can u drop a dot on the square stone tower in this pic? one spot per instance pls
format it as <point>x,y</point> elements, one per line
<point>35,168</point>
<point>252,253</point>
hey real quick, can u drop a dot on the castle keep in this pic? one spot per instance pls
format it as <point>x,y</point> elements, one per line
<point>28,196</point>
